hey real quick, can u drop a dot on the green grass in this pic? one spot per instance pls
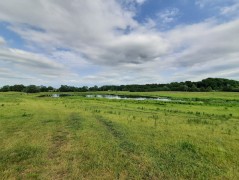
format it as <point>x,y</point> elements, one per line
<point>88,138</point>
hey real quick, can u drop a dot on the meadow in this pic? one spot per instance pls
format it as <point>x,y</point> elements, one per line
<point>75,137</point>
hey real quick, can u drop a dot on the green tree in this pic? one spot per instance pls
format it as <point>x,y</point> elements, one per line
<point>32,89</point>
<point>209,89</point>
<point>5,88</point>
<point>194,88</point>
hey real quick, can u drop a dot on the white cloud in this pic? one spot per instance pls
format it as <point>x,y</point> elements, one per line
<point>205,49</point>
<point>134,1</point>
<point>204,3</point>
<point>34,68</point>
<point>131,4</point>
<point>94,29</point>
<point>103,43</point>
<point>27,60</point>
<point>2,41</point>
<point>201,3</point>
<point>232,10</point>
<point>168,15</point>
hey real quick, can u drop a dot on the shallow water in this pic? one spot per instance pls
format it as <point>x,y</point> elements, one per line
<point>139,98</point>
<point>54,95</point>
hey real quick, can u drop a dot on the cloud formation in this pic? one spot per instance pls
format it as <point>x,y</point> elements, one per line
<point>168,15</point>
<point>2,41</point>
<point>101,42</point>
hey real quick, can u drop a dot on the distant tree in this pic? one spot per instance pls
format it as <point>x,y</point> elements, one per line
<point>209,89</point>
<point>189,84</point>
<point>165,88</point>
<point>202,89</point>
<point>50,88</point>
<point>183,88</point>
<point>208,84</point>
<point>194,88</point>
<point>5,88</point>
<point>94,88</point>
<point>64,88</point>
<point>17,87</point>
<point>84,88</point>
<point>32,89</point>
<point>43,89</point>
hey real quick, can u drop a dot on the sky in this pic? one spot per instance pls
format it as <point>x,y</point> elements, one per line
<point>103,42</point>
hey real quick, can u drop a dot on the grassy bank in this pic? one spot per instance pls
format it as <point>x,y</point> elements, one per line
<point>88,138</point>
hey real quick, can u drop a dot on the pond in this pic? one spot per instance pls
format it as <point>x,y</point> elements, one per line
<point>60,95</point>
<point>139,98</point>
<point>124,97</point>
<point>54,95</point>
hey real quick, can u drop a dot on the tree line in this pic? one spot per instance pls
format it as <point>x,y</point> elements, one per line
<point>206,85</point>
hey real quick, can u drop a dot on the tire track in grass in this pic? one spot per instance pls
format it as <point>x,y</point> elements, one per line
<point>130,150</point>
<point>181,160</point>
<point>56,153</point>
<point>58,140</point>
<point>124,144</point>
<point>60,137</point>
<point>74,122</point>
<point>172,111</point>
<point>78,160</point>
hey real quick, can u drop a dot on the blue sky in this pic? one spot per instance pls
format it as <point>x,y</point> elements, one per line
<point>188,11</point>
<point>78,42</point>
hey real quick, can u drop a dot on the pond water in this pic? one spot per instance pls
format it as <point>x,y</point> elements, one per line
<point>139,98</point>
<point>54,95</point>
<point>60,95</point>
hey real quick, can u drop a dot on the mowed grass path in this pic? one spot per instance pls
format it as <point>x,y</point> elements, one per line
<point>86,138</point>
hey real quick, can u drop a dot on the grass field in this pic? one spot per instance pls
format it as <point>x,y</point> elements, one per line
<point>75,137</point>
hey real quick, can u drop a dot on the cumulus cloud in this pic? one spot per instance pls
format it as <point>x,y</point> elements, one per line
<point>33,68</point>
<point>204,50</point>
<point>101,41</point>
<point>213,42</point>
<point>80,21</point>
<point>27,60</point>
<point>95,29</point>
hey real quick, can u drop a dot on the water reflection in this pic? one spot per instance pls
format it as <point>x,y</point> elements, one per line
<point>139,98</point>
<point>55,95</point>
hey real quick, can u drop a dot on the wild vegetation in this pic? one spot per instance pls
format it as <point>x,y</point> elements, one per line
<point>75,137</point>
<point>206,85</point>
